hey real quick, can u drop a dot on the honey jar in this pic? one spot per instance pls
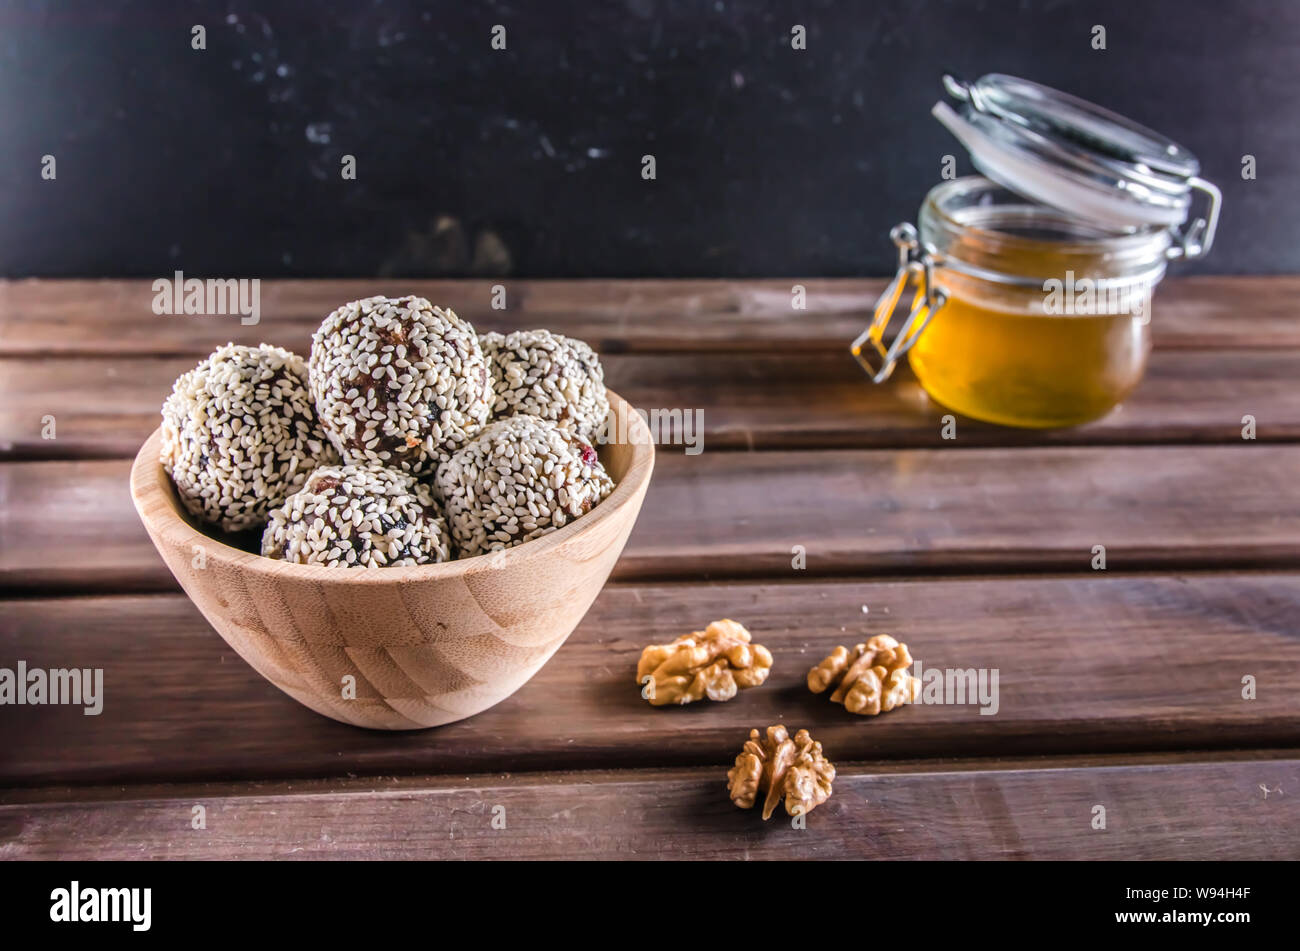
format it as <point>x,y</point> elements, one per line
<point>1029,287</point>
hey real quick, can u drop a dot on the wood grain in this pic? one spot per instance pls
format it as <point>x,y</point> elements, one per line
<point>1086,664</point>
<point>70,526</point>
<point>106,408</point>
<point>1163,808</point>
<point>742,514</point>
<point>101,318</point>
<point>1111,673</point>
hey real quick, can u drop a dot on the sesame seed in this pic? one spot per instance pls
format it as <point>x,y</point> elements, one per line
<point>489,486</point>
<point>234,446</point>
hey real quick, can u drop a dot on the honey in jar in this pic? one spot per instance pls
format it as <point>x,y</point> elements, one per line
<point>1032,303</point>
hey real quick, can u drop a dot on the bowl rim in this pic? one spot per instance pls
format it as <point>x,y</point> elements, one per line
<point>152,495</point>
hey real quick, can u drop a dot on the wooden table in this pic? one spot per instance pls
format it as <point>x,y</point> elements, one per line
<point>1120,688</point>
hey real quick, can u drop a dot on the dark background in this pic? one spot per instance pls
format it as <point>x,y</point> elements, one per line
<point>771,161</point>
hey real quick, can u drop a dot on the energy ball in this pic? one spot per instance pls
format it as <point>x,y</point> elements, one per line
<point>358,517</point>
<point>399,382</point>
<point>239,434</point>
<point>539,373</point>
<point>519,479</point>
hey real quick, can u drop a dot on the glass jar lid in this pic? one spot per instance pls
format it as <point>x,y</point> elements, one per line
<point>1079,158</point>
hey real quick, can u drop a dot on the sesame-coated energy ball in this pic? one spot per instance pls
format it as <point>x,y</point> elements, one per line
<point>399,382</point>
<point>358,517</point>
<point>239,434</point>
<point>544,374</point>
<point>517,480</point>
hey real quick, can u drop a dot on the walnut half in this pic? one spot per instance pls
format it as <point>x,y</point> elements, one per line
<point>869,679</point>
<point>777,766</point>
<point>713,663</point>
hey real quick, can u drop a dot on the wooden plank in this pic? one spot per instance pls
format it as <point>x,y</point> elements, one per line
<point>70,526</point>
<point>105,408</point>
<point>1100,663</point>
<point>116,317</point>
<point>101,408</point>
<point>1167,808</point>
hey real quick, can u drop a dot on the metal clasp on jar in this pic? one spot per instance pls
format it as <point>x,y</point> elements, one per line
<point>1196,241</point>
<point>914,262</point>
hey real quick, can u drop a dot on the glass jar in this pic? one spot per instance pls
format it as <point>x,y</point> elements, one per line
<point>1047,320</point>
<point>1029,312</point>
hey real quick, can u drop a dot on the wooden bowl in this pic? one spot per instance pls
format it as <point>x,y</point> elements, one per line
<point>423,645</point>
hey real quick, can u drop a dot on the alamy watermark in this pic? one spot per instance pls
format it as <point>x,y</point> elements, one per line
<point>1084,296</point>
<point>664,427</point>
<point>214,297</point>
<point>77,904</point>
<point>959,685</point>
<point>59,686</point>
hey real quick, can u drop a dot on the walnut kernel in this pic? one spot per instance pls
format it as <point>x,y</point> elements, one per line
<point>869,679</point>
<point>713,663</point>
<point>778,766</point>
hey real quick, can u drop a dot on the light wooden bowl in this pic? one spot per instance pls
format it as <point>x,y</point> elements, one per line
<point>425,645</point>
